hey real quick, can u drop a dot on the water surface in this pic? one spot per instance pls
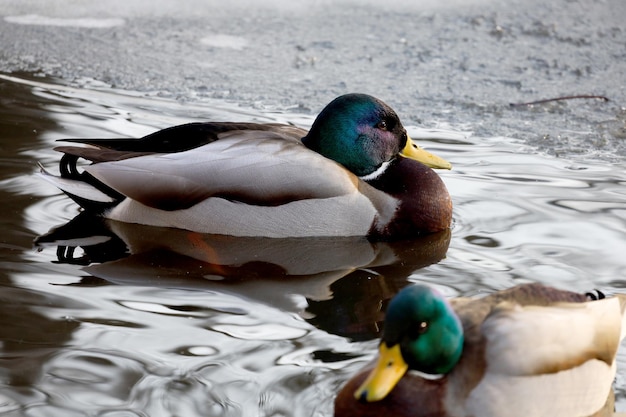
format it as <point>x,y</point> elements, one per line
<point>112,320</point>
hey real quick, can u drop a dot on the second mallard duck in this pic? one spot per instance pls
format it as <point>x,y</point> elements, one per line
<point>355,173</point>
<point>531,350</point>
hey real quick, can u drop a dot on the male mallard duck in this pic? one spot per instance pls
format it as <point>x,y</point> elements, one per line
<point>528,351</point>
<point>342,178</point>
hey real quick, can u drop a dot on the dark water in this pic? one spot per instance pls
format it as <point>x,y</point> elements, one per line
<point>106,319</point>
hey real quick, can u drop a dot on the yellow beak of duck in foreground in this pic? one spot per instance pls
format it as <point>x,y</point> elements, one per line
<point>388,371</point>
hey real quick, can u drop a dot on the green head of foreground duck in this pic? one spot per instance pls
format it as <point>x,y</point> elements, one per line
<point>353,174</point>
<point>421,332</point>
<point>529,350</point>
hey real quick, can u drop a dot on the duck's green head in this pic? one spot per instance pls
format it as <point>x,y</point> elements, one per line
<point>421,332</point>
<point>361,133</point>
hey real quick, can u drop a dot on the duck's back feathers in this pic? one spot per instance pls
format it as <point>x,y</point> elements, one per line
<point>561,356</point>
<point>188,136</point>
<point>533,340</point>
<point>277,172</point>
<point>141,175</point>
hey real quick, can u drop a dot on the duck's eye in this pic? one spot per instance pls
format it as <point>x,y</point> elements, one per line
<point>418,329</point>
<point>382,125</point>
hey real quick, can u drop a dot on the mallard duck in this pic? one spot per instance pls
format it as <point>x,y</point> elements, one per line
<point>528,351</point>
<point>354,173</point>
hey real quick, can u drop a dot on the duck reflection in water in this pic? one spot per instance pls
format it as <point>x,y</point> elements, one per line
<point>337,284</point>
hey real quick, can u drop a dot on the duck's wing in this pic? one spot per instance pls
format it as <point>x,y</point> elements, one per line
<point>90,193</point>
<point>252,167</point>
<point>556,359</point>
<point>509,321</point>
<point>548,339</point>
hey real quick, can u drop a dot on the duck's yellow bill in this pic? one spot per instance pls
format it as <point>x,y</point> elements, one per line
<point>411,150</point>
<point>388,371</point>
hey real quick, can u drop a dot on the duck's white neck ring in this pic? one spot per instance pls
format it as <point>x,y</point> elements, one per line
<point>430,377</point>
<point>377,173</point>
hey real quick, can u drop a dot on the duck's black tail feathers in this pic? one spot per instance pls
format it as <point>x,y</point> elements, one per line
<point>81,187</point>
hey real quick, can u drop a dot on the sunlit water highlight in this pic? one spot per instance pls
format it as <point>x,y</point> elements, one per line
<point>161,329</point>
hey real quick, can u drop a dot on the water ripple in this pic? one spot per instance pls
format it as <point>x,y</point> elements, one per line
<point>269,331</point>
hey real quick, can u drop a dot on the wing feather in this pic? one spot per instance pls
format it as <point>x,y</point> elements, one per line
<point>259,168</point>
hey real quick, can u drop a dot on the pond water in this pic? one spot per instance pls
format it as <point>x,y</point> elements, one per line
<point>106,319</point>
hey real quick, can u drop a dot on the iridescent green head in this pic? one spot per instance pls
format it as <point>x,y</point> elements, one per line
<point>421,332</point>
<point>428,331</point>
<point>358,131</point>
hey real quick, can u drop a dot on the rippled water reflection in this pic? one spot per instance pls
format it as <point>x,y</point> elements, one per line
<point>115,320</point>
